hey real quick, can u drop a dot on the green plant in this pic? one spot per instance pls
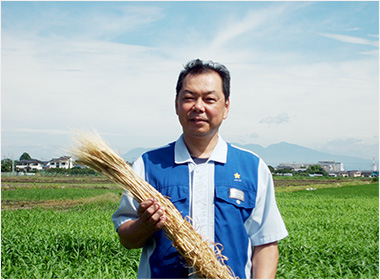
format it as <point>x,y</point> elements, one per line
<point>333,233</point>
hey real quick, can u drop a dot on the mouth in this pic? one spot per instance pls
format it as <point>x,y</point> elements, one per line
<point>198,120</point>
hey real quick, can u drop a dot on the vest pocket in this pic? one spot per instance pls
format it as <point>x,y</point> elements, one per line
<point>178,195</point>
<point>237,196</point>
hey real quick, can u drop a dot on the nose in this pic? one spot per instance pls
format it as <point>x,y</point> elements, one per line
<point>198,105</point>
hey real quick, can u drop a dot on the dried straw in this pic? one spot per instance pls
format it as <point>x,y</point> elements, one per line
<point>91,150</point>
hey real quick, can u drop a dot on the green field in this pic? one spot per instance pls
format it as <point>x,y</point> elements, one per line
<point>62,228</point>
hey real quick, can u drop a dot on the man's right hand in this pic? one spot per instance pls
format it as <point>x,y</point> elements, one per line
<point>151,215</point>
<point>135,233</point>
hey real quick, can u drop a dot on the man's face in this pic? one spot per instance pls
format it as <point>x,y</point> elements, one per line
<point>200,105</point>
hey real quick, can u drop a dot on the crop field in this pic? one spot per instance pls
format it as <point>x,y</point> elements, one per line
<point>61,227</point>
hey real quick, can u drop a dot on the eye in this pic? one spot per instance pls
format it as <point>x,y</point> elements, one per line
<point>187,98</point>
<point>210,99</point>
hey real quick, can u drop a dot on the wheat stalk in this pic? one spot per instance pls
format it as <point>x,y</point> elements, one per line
<point>91,150</point>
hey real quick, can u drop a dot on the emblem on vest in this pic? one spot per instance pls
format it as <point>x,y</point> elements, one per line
<point>236,194</point>
<point>237,177</point>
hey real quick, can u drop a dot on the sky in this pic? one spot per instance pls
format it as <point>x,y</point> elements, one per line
<point>305,73</point>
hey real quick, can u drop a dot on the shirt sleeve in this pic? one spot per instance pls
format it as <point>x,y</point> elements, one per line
<point>128,206</point>
<point>265,225</point>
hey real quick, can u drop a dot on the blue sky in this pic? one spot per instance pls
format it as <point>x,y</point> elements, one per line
<point>302,72</point>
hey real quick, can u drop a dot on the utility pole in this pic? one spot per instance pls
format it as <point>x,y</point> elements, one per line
<point>374,167</point>
<point>13,165</point>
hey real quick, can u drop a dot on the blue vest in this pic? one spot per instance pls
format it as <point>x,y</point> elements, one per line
<point>235,198</point>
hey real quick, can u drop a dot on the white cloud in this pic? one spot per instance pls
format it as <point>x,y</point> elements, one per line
<point>39,131</point>
<point>352,29</point>
<point>53,82</point>
<point>323,101</point>
<point>110,86</point>
<point>82,20</point>
<point>279,119</point>
<point>256,21</point>
<point>124,19</point>
<point>362,148</point>
<point>371,53</point>
<point>350,39</point>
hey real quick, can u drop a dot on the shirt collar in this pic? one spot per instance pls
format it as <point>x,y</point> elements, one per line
<point>182,155</point>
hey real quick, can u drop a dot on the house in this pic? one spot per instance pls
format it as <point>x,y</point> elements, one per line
<point>65,162</point>
<point>331,165</point>
<point>355,173</point>
<point>343,173</point>
<point>299,167</point>
<point>370,173</point>
<point>29,164</point>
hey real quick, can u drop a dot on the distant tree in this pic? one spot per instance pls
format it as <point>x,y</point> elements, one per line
<point>271,168</point>
<point>6,165</point>
<point>284,170</point>
<point>72,171</point>
<point>25,156</point>
<point>316,169</point>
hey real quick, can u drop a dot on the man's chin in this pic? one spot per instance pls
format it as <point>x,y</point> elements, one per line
<point>200,133</point>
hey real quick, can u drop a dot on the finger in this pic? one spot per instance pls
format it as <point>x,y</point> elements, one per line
<point>157,220</point>
<point>144,205</point>
<point>156,216</point>
<point>150,214</point>
<point>160,224</point>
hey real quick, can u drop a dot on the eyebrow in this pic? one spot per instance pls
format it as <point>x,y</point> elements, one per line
<point>191,92</point>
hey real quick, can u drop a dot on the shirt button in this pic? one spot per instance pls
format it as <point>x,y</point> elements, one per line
<point>238,202</point>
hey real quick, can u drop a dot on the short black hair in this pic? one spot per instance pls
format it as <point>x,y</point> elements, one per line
<point>197,66</point>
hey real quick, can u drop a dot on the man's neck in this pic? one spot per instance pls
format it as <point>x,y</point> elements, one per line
<point>201,147</point>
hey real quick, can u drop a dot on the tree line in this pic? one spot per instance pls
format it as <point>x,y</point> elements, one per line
<point>7,166</point>
<point>312,169</point>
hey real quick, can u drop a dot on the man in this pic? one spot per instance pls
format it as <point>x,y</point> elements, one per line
<point>228,192</point>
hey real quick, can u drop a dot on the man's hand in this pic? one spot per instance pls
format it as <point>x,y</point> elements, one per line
<point>135,233</point>
<point>151,215</point>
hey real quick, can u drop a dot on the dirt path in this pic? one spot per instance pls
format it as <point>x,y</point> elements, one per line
<point>58,204</point>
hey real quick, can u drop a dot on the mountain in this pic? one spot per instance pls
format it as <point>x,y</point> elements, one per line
<point>133,154</point>
<point>273,154</point>
<point>284,153</point>
<point>291,153</point>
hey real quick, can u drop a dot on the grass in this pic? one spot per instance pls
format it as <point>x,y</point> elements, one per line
<point>78,243</point>
<point>333,231</point>
<point>54,182</point>
<point>51,194</point>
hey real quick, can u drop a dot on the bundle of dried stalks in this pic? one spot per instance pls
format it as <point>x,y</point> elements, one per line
<point>91,150</point>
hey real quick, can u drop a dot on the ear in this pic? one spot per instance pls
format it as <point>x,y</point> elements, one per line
<point>226,109</point>
<point>176,104</point>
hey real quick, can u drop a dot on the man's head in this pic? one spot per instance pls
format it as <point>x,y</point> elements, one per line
<point>202,101</point>
<point>197,66</point>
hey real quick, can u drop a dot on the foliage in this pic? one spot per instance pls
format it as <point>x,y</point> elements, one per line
<point>312,169</point>
<point>316,169</point>
<point>6,165</point>
<point>271,169</point>
<point>79,243</point>
<point>49,194</point>
<point>24,156</point>
<point>333,233</point>
<point>71,171</point>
